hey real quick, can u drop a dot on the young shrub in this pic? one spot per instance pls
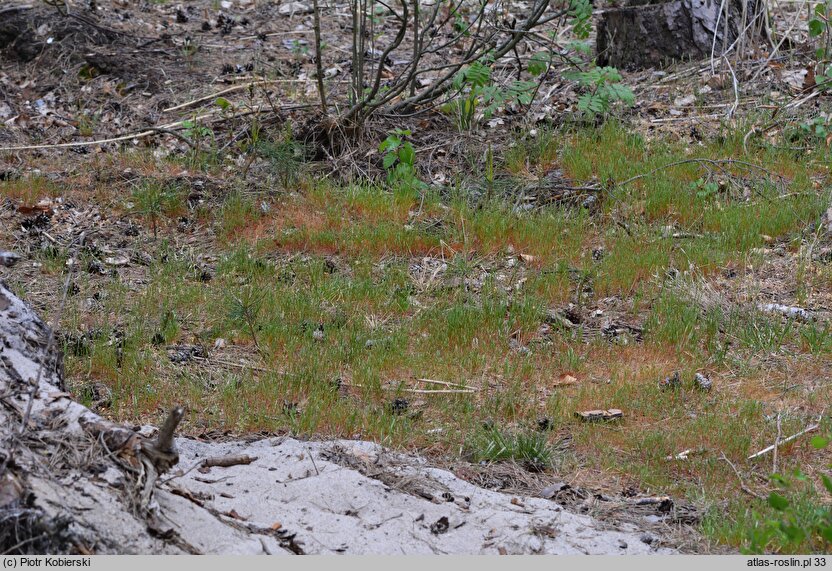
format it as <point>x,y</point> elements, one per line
<point>154,198</point>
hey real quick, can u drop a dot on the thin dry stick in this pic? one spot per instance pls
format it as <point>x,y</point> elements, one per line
<point>420,391</point>
<point>447,384</point>
<point>227,461</point>
<point>780,43</point>
<point>713,43</point>
<point>239,365</point>
<point>308,451</point>
<point>79,143</point>
<point>743,487</point>
<point>735,83</point>
<point>743,36</point>
<point>319,67</point>
<point>440,391</point>
<point>139,135</point>
<point>767,449</point>
<point>714,162</point>
<point>221,93</point>
<point>777,440</point>
<point>15,9</point>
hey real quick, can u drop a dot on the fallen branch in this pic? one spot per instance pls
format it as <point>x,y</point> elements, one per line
<point>228,461</point>
<point>447,384</point>
<point>8,259</point>
<point>238,365</point>
<point>468,391</point>
<point>767,449</point>
<point>596,415</point>
<point>221,93</point>
<point>440,391</point>
<point>161,451</point>
<point>743,487</point>
<point>15,9</point>
<point>786,310</point>
<point>146,133</point>
<point>165,129</point>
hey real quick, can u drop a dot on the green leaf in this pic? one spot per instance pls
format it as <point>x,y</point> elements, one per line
<point>406,154</point>
<point>389,160</point>
<point>538,64</point>
<point>610,74</point>
<point>223,103</point>
<point>459,80</point>
<point>477,74</point>
<point>816,28</point>
<point>780,480</point>
<point>792,532</point>
<point>391,143</point>
<point>580,47</point>
<point>620,92</point>
<point>827,482</point>
<point>820,442</point>
<point>826,533</point>
<point>777,501</point>
<point>592,104</point>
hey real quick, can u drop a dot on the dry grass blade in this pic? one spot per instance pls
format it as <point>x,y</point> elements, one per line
<point>447,384</point>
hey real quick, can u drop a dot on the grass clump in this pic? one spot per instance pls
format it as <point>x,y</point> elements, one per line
<point>154,199</point>
<point>286,157</point>
<point>529,449</point>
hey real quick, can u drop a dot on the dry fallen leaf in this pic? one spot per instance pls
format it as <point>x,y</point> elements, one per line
<point>566,379</point>
<point>233,514</point>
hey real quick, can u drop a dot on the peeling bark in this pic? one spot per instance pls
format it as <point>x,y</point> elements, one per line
<point>652,34</point>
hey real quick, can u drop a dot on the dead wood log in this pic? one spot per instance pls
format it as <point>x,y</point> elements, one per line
<point>597,415</point>
<point>228,461</point>
<point>45,443</point>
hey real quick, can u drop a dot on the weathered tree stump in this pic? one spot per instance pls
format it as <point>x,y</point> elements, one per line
<point>654,33</point>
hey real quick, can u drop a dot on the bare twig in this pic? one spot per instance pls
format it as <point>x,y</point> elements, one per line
<point>767,449</point>
<point>736,104</point>
<point>164,440</point>
<point>15,9</point>
<point>365,101</point>
<point>319,67</point>
<point>777,440</point>
<point>743,487</point>
<point>213,96</point>
<point>447,384</point>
